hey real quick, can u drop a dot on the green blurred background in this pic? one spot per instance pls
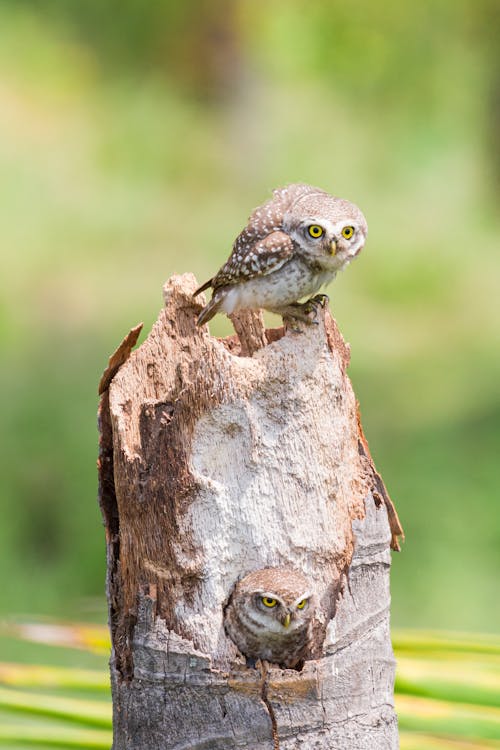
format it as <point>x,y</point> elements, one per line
<point>135,139</point>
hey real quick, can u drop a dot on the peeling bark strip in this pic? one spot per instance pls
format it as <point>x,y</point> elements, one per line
<point>218,458</point>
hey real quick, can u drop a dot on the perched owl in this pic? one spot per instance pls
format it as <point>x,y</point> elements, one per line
<point>291,246</point>
<point>269,615</point>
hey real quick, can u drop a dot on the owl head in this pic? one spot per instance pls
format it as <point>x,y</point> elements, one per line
<point>279,610</point>
<point>328,229</point>
<point>269,613</point>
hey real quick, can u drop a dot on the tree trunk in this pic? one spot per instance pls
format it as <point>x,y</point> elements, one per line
<point>214,463</point>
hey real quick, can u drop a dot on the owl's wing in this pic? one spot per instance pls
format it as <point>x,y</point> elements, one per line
<point>253,257</point>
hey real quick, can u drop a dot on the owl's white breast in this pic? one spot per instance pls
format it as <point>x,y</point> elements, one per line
<point>290,283</point>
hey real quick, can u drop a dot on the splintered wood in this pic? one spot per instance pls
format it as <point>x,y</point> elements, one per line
<point>217,458</point>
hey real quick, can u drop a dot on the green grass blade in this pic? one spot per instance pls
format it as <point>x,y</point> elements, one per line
<point>60,737</point>
<point>94,638</point>
<point>428,640</point>
<point>452,719</point>
<point>34,676</point>
<point>477,683</point>
<point>419,741</point>
<point>93,713</point>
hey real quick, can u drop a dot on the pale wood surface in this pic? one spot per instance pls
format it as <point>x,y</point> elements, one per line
<point>214,464</point>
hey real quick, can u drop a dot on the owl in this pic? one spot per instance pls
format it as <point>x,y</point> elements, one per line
<point>292,245</point>
<point>269,616</point>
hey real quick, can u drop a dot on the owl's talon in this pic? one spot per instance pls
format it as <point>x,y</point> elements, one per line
<point>310,307</point>
<point>297,312</point>
<point>321,299</point>
<point>292,324</point>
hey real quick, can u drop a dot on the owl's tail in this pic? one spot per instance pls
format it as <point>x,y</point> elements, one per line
<point>210,310</point>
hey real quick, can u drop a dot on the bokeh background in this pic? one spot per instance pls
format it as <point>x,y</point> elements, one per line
<point>136,137</point>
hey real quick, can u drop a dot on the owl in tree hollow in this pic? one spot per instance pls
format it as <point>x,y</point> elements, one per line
<point>291,246</point>
<point>269,616</point>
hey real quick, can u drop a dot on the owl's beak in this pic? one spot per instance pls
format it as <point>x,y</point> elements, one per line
<point>333,247</point>
<point>286,620</point>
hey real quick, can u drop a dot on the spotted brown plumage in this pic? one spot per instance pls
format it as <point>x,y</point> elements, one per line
<point>291,246</point>
<point>269,616</point>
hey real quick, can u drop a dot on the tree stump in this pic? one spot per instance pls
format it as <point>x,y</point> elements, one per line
<point>212,464</point>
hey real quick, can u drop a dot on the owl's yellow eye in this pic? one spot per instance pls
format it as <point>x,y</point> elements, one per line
<point>315,231</point>
<point>347,232</point>
<point>302,604</point>
<point>268,602</point>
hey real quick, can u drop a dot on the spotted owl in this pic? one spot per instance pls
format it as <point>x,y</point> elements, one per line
<point>269,616</point>
<point>291,246</point>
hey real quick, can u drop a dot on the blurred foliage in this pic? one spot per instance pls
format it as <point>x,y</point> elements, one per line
<point>136,138</point>
<point>447,689</point>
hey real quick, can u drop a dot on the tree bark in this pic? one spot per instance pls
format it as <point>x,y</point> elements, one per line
<point>219,457</point>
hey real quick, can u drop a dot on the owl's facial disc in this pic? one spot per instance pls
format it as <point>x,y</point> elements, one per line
<point>349,239</point>
<point>325,237</point>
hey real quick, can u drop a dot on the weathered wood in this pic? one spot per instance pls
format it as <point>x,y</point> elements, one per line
<point>213,465</point>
